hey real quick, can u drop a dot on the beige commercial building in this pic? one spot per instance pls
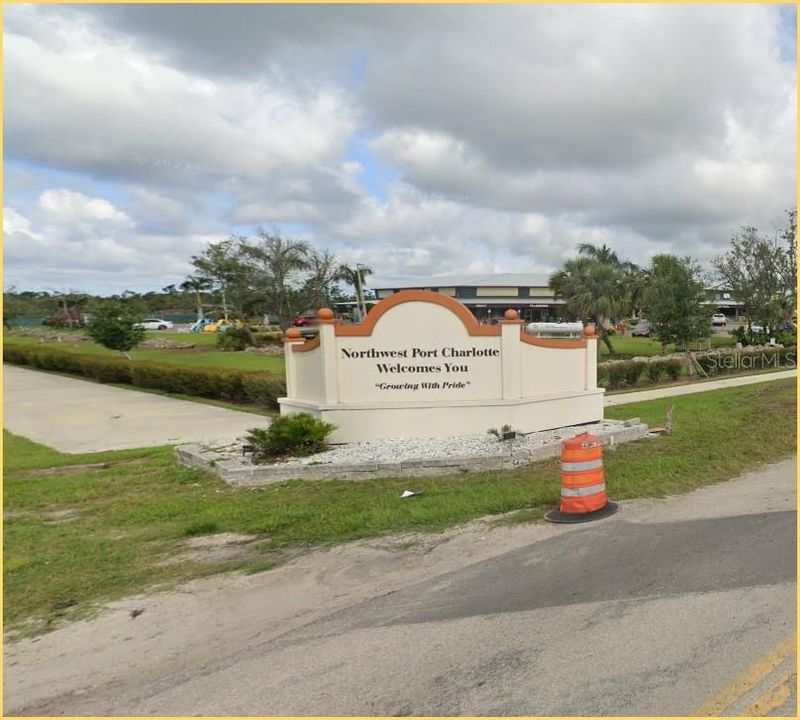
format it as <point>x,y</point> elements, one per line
<point>488,296</point>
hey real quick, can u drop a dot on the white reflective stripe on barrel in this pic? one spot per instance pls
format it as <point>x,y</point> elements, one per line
<point>583,491</point>
<point>578,466</point>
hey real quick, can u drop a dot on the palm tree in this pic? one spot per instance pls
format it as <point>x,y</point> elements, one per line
<point>355,276</point>
<point>197,285</point>
<point>603,254</point>
<point>276,261</point>
<point>595,289</point>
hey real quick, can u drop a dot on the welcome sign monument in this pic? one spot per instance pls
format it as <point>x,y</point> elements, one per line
<point>420,365</point>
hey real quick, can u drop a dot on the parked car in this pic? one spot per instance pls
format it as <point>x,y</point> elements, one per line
<point>309,317</point>
<point>642,329</point>
<point>757,327</point>
<point>718,319</point>
<point>155,324</point>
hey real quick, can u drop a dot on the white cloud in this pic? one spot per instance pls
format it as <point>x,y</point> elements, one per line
<point>66,207</point>
<point>72,240</point>
<point>501,135</point>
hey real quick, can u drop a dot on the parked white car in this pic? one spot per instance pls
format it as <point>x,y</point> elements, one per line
<point>719,319</point>
<point>155,324</point>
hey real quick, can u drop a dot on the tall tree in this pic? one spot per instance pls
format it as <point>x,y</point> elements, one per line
<point>675,301</point>
<point>593,289</point>
<point>761,274</point>
<point>786,266</point>
<point>275,264</point>
<point>221,265</point>
<point>356,277</point>
<point>197,284</point>
<point>603,254</point>
<point>323,273</point>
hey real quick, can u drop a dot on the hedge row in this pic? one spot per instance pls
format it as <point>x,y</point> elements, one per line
<point>616,374</point>
<point>613,375</point>
<point>257,388</point>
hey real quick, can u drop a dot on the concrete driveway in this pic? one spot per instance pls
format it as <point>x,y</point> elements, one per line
<point>78,416</point>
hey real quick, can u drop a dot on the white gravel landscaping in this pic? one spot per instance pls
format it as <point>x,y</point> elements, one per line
<point>394,450</point>
<point>407,457</point>
<point>400,449</point>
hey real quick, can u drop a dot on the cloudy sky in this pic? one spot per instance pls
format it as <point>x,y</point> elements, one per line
<point>419,140</point>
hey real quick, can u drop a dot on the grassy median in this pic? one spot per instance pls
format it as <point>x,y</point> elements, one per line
<point>80,530</point>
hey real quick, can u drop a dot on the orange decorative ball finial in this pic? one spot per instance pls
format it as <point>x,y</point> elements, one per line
<point>589,331</point>
<point>293,334</point>
<point>325,314</point>
<point>510,314</point>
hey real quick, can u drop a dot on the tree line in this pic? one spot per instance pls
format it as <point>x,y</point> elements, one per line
<point>271,275</point>
<point>267,275</point>
<point>758,270</point>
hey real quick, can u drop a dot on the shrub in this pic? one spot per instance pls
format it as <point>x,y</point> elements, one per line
<point>269,337</point>
<point>203,382</point>
<point>216,383</point>
<point>710,363</point>
<point>655,370</point>
<point>786,339</point>
<point>115,327</point>
<point>632,371</point>
<point>264,390</point>
<point>235,339</point>
<point>300,434</point>
<point>673,368</point>
<point>616,375</point>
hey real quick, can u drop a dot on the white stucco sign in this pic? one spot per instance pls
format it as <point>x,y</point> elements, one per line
<point>420,365</point>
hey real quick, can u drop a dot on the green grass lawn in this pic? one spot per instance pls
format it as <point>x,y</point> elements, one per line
<point>77,536</point>
<point>635,346</point>
<point>205,355</point>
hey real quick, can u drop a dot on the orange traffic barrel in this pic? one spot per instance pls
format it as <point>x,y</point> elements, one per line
<point>583,482</point>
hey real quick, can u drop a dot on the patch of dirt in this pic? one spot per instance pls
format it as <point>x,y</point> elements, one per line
<point>266,350</point>
<point>50,517</point>
<point>222,547</point>
<point>70,469</point>
<point>164,344</point>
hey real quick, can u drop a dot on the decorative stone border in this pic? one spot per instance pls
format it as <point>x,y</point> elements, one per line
<point>237,472</point>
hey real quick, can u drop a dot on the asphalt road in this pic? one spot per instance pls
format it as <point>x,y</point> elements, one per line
<point>673,607</point>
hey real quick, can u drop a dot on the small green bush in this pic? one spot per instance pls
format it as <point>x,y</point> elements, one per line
<point>269,337</point>
<point>632,371</point>
<point>673,367</point>
<point>114,326</point>
<point>235,339</point>
<point>616,375</point>
<point>655,370</point>
<point>298,435</point>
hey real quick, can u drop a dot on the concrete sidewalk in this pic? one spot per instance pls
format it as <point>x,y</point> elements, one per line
<point>78,416</point>
<point>642,395</point>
